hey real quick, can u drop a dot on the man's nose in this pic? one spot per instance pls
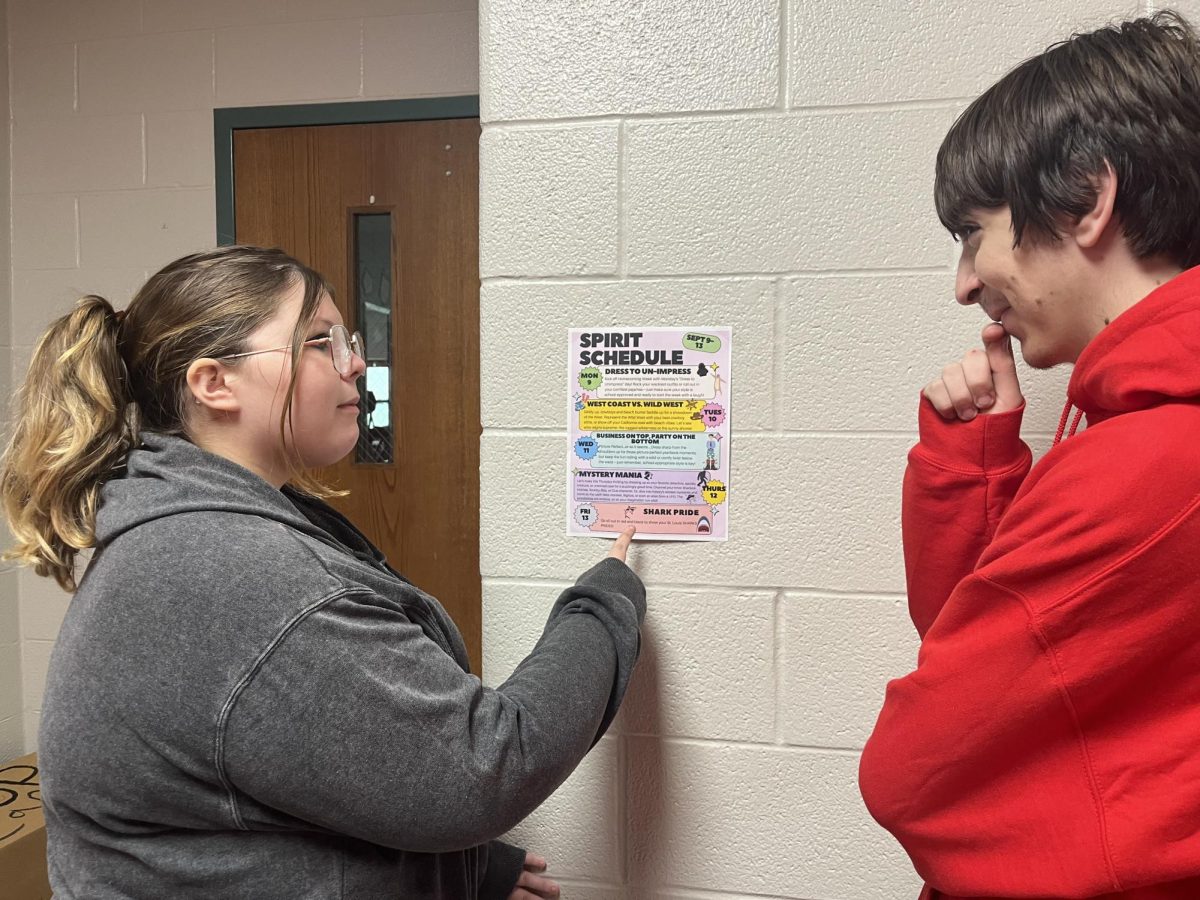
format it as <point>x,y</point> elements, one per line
<point>967,285</point>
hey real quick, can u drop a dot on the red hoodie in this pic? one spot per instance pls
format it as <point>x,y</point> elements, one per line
<point>1048,743</point>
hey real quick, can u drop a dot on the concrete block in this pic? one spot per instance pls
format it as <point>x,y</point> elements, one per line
<point>421,55</point>
<point>552,60</point>
<point>578,828</point>
<point>20,363</point>
<point>514,614</point>
<point>43,606</point>
<point>584,890</point>
<point>706,667</point>
<point>767,821</point>
<point>179,149</point>
<point>35,663</point>
<point>291,62</point>
<point>43,80</point>
<point>113,73</point>
<point>848,190</point>
<point>10,618</point>
<point>44,232</point>
<point>42,295</point>
<point>6,385</point>
<point>548,201</point>
<point>323,9</point>
<point>805,512</point>
<point>857,350</point>
<point>76,153</point>
<point>11,698</point>
<point>12,737</point>
<point>7,419</point>
<point>33,722</point>
<point>524,334</point>
<point>128,229</point>
<point>838,653</point>
<point>39,23</point>
<point>189,15</point>
<point>865,52</point>
<point>513,618</point>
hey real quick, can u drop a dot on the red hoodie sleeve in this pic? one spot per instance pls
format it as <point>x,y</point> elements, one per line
<point>1045,744</point>
<point>961,478</point>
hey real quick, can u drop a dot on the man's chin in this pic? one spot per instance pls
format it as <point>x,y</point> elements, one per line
<point>1040,357</point>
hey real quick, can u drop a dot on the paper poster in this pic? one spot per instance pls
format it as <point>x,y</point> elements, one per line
<point>649,432</point>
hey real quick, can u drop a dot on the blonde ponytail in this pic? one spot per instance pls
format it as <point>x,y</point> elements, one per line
<point>73,425</point>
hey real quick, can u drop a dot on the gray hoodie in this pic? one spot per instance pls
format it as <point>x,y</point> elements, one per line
<point>245,700</point>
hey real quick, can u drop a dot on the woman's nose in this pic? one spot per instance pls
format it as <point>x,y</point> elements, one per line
<point>358,367</point>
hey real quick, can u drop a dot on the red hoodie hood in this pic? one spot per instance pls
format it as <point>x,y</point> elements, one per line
<point>1148,356</point>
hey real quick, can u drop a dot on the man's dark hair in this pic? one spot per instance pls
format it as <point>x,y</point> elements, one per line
<point>1128,93</point>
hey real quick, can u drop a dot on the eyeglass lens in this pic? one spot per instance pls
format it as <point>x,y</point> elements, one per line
<point>345,347</point>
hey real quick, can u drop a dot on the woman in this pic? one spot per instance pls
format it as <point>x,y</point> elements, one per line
<point>245,700</point>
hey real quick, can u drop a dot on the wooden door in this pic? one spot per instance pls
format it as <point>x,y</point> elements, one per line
<point>389,214</point>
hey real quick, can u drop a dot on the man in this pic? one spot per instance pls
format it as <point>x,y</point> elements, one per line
<point>1048,743</point>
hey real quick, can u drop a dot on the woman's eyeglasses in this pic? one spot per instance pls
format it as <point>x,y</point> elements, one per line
<point>343,347</point>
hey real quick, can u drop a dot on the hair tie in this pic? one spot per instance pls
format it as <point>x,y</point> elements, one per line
<point>119,315</point>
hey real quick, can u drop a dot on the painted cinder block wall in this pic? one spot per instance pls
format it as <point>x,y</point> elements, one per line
<point>11,700</point>
<point>765,165</point>
<point>112,162</point>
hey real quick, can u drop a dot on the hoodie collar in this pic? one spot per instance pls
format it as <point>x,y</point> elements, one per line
<point>1149,355</point>
<point>167,476</point>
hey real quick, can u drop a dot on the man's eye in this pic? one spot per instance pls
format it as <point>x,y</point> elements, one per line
<point>966,232</point>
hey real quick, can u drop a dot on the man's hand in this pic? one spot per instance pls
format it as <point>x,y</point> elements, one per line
<point>621,547</point>
<point>532,885</point>
<point>984,381</point>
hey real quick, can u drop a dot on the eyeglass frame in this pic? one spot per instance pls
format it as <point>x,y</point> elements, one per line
<point>354,342</point>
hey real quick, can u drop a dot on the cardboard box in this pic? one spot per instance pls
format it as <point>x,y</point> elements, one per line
<point>22,832</point>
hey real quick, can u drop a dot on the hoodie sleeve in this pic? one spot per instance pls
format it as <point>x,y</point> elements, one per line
<point>1044,744</point>
<point>504,866</point>
<point>961,477</point>
<point>357,722</point>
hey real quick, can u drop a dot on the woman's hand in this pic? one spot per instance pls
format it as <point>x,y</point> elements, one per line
<point>621,547</point>
<point>532,885</point>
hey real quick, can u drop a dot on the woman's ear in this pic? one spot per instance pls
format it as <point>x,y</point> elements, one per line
<point>209,383</point>
<point>1092,224</point>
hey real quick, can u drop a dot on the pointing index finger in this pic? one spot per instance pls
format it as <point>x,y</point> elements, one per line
<point>621,546</point>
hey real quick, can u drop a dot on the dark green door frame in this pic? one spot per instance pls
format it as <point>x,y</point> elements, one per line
<point>227,121</point>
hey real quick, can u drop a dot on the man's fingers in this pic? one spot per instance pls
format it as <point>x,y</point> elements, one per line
<point>535,863</point>
<point>621,546</point>
<point>998,346</point>
<point>955,381</point>
<point>978,374</point>
<point>935,392</point>
<point>538,885</point>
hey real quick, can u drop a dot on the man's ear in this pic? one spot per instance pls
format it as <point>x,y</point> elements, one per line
<point>210,385</point>
<point>1092,224</point>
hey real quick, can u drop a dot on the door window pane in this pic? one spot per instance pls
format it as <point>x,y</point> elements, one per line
<point>373,295</point>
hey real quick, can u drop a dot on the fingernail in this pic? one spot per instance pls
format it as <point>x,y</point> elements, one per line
<point>985,400</point>
<point>968,415</point>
